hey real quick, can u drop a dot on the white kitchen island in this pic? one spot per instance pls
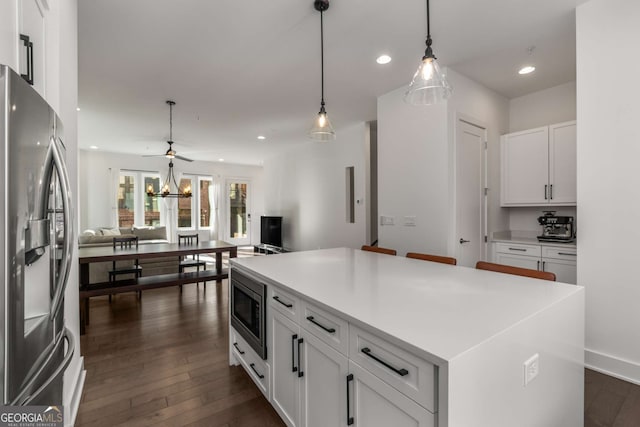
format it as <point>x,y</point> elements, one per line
<point>402,342</point>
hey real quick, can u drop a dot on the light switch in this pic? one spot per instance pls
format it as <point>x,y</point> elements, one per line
<point>386,220</point>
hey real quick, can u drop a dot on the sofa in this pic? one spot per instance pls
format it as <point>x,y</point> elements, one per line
<point>103,236</point>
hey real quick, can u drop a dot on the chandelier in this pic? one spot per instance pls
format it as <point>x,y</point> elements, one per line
<point>169,183</point>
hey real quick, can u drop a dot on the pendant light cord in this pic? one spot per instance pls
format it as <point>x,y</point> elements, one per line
<point>321,62</point>
<point>170,122</point>
<point>428,23</point>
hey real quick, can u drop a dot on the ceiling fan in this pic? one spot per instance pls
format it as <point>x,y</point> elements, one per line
<point>170,153</point>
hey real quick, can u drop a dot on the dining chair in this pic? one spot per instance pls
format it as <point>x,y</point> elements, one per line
<point>527,272</point>
<point>433,258</point>
<point>378,249</point>
<point>190,260</point>
<point>125,267</point>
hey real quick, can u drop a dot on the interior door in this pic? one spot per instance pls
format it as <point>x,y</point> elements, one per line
<point>238,212</point>
<point>470,197</point>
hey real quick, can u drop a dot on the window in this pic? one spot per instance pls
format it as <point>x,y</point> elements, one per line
<point>126,200</point>
<point>184,205</point>
<point>134,206</point>
<point>205,200</point>
<point>196,212</point>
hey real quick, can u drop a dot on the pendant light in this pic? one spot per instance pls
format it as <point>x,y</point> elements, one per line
<point>170,182</point>
<point>429,84</point>
<point>322,129</point>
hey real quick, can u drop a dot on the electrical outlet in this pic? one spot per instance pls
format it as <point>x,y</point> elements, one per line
<point>531,368</point>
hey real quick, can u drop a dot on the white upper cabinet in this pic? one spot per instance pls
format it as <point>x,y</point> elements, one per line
<point>32,42</point>
<point>539,166</point>
<point>8,33</point>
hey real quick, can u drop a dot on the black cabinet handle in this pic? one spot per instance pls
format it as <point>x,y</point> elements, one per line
<point>543,263</point>
<point>277,298</point>
<point>235,344</point>
<point>253,367</point>
<point>330,330</point>
<point>518,249</point>
<point>300,373</point>
<point>349,417</point>
<point>567,253</point>
<point>551,192</point>
<point>367,351</point>
<point>293,353</point>
<point>538,267</point>
<point>545,191</point>
<point>29,45</point>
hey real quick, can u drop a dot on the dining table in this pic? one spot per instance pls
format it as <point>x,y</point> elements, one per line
<point>94,254</point>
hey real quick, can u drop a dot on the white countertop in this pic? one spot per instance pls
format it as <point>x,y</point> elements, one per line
<point>440,309</point>
<point>529,238</point>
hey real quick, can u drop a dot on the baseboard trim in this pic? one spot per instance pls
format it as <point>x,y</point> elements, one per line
<point>74,404</point>
<point>612,366</point>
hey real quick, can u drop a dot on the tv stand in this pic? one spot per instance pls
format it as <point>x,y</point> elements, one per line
<point>268,249</point>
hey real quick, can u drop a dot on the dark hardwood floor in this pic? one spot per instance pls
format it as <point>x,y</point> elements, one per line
<point>163,361</point>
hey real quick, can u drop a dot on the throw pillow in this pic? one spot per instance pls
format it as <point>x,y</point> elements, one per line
<point>151,233</point>
<point>88,232</point>
<point>110,231</point>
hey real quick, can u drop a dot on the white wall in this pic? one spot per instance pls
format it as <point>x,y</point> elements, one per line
<point>554,105</point>
<point>542,108</point>
<point>415,164</point>
<point>99,172</point>
<point>306,185</point>
<point>608,176</point>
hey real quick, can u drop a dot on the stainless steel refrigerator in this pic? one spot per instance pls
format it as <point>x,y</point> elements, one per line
<point>36,238</point>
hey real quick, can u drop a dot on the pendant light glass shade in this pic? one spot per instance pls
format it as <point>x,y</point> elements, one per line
<point>322,129</point>
<point>429,84</point>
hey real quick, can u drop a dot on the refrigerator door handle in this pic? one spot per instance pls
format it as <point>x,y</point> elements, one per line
<point>23,398</point>
<point>61,284</point>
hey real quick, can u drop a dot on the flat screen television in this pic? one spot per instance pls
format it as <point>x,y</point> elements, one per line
<point>271,230</point>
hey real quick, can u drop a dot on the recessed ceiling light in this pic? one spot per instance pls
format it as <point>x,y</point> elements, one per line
<point>262,137</point>
<point>221,160</point>
<point>526,70</point>
<point>94,147</point>
<point>383,59</point>
<point>77,108</point>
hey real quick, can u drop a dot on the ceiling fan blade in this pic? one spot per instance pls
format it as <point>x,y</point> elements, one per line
<point>183,158</point>
<point>153,155</point>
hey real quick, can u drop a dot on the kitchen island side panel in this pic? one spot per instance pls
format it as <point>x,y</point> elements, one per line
<point>486,383</point>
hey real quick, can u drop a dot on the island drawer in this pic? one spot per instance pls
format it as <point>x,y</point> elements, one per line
<point>257,368</point>
<point>519,249</point>
<point>330,328</point>
<point>412,376</point>
<point>569,254</point>
<point>284,302</point>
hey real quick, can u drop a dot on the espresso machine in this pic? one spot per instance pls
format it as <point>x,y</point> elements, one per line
<point>556,228</point>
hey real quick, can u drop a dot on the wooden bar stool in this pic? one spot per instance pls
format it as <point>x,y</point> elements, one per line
<point>527,272</point>
<point>378,249</point>
<point>433,258</point>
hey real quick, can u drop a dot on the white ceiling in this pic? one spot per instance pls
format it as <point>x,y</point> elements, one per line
<point>238,69</point>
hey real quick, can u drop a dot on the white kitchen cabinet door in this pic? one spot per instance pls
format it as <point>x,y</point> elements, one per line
<point>285,391</point>
<point>521,261</point>
<point>323,395</point>
<point>373,403</point>
<point>525,167</point>
<point>565,271</point>
<point>562,163</point>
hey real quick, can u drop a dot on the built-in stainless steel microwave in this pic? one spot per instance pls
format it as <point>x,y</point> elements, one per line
<point>248,310</point>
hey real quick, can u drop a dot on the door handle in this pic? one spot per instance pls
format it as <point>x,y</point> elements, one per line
<point>545,191</point>
<point>464,241</point>
<point>367,352</point>
<point>294,368</point>
<point>63,275</point>
<point>23,397</point>
<point>300,373</point>
<point>29,45</point>
<point>349,417</point>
